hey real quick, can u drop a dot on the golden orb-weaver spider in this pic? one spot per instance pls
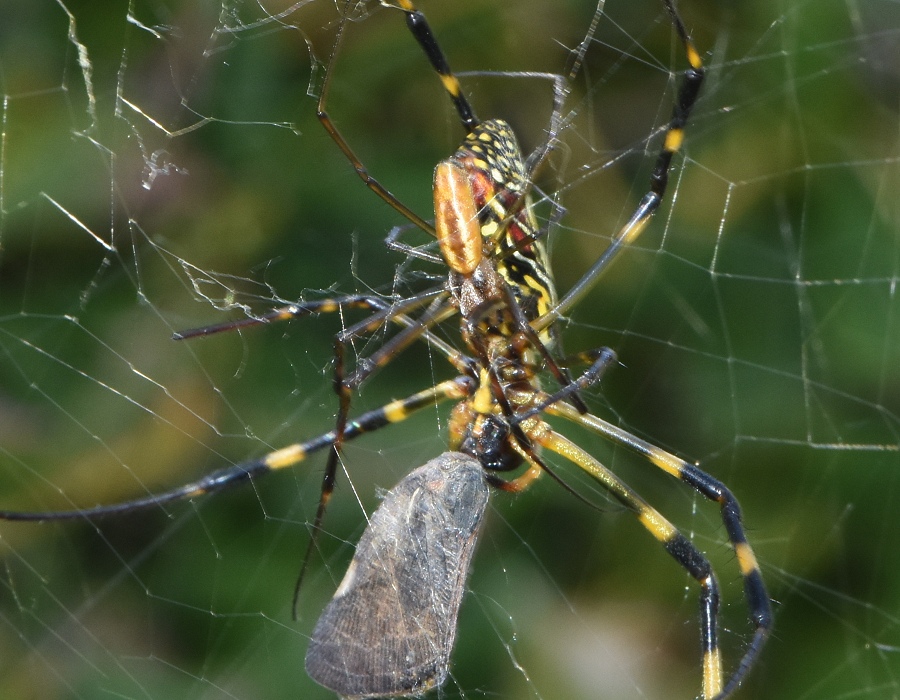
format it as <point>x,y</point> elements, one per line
<point>500,285</point>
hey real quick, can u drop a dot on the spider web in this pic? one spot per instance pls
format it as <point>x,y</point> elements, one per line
<point>161,168</point>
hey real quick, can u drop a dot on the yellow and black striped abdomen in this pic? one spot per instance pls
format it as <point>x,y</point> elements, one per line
<point>491,156</point>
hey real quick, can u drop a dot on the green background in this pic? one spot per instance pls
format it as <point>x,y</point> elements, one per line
<point>756,324</point>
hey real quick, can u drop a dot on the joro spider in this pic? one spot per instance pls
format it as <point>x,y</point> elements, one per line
<point>499,283</point>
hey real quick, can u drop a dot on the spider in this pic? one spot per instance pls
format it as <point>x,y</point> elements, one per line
<point>499,284</point>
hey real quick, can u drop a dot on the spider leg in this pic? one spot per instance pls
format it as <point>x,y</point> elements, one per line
<point>345,384</point>
<point>677,545</point>
<point>416,329</point>
<point>299,310</point>
<point>384,311</point>
<point>714,490</point>
<point>393,412</point>
<point>659,179</point>
<point>422,33</point>
<point>421,30</point>
<point>601,358</point>
<point>337,137</point>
